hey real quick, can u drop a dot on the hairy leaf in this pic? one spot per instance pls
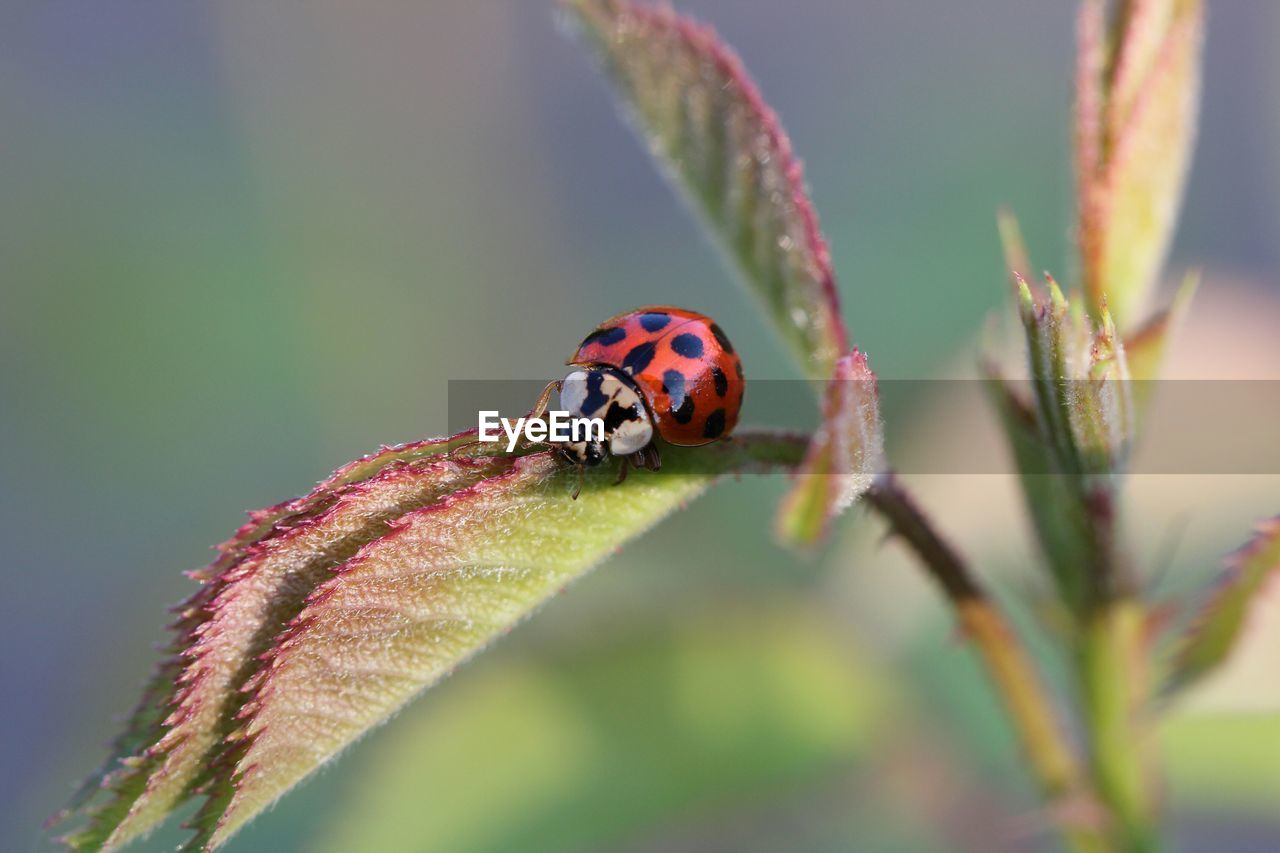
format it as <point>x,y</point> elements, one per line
<point>1137,93</point>
<point>443,583</point>
<point>1081,381</point>
<point>843,458</point>
<point>264,591</point>
<point>707,123</point>
<point>109,797</point>
<point>736,698</point>
<point>1070,435</point>
<point>1101,402</point>
<point>1222,620</point>
<point>265,522</point>
<point>349,601</point>
<point>1053,340</point>
<point>1051,497</point>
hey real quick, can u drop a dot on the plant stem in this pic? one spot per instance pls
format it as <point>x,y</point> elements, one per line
<point>1112,684</point>
<point>1016,680</point>
<point>1112,677</point>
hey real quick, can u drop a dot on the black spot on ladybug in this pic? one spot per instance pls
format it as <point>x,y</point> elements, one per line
<point>654,322</point>
<point>721,381</point>
<point>684,413</point>
<point>595,399</point>
<point>617,416</point>
<point>738,368</point>
<point>585,453</point>
<point>687,345</point>
<point>639,357</point>
<point>721,338</point>
<point>714,426</point>
<point>605,337</point>
<point>673,385</point>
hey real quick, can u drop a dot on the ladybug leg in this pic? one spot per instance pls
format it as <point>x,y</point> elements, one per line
<point>622,471</point>
<point>544,399</point>
<point>582,471</point>
<point>647,458</point>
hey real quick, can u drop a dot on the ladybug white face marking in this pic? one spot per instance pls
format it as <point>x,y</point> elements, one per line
<point>609,395</point>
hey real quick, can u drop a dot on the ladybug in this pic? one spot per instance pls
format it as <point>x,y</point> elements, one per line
<point>655,370</point>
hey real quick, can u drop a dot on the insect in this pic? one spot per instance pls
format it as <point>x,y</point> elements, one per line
<point>653,372</point>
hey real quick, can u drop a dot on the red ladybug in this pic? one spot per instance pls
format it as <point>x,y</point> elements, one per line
<point>653,369</point>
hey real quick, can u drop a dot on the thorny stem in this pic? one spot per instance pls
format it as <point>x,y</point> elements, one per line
<point>1015,677</point>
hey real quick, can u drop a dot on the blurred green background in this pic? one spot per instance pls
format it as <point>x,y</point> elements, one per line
<point>242,243</point>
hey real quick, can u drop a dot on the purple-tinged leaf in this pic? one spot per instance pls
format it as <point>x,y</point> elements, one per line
<point>442,583</point>
<point>1137,95</point>
<point>108,796</point>
<point>843,458</point>
<point>707,123</point>
<point>1223,618</point>
<point>265,522</point>
<point>709,127</point>
<point>469,543</point>
<point>263,591</point>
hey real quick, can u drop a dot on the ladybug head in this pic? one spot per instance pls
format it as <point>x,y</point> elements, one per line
<point>609,395</point>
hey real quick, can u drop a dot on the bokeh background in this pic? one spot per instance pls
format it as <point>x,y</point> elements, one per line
<point>242,243</point>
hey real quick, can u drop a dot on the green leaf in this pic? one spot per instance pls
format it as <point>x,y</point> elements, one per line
<point>350,601</point>
<point>1081,381</point>
<point>1017,260</point>
<point>1071,436</point>
<point>680,715</point>
<point>1053,340</point>
<point>843,458</point>
<point>707,123</point>
<point>109,798</point>
<point>1137,95</point>
<point>1223,618</point>
<point>264,591</point>
<point>413,605</point>
<point>1146,346</point>
<point>1051,497</point>
<point>1101,404</point>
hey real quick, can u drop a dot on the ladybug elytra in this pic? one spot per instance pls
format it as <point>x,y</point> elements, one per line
<point>658,371</point>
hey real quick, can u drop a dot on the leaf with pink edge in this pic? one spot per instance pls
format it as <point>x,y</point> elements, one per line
<point>1221,623</point>
<point>844,456</point>
<point>393,575</point>
<point>1137,96</point>
<point>707,123</point>
<point>441,584</point>
<point>111,799</point>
